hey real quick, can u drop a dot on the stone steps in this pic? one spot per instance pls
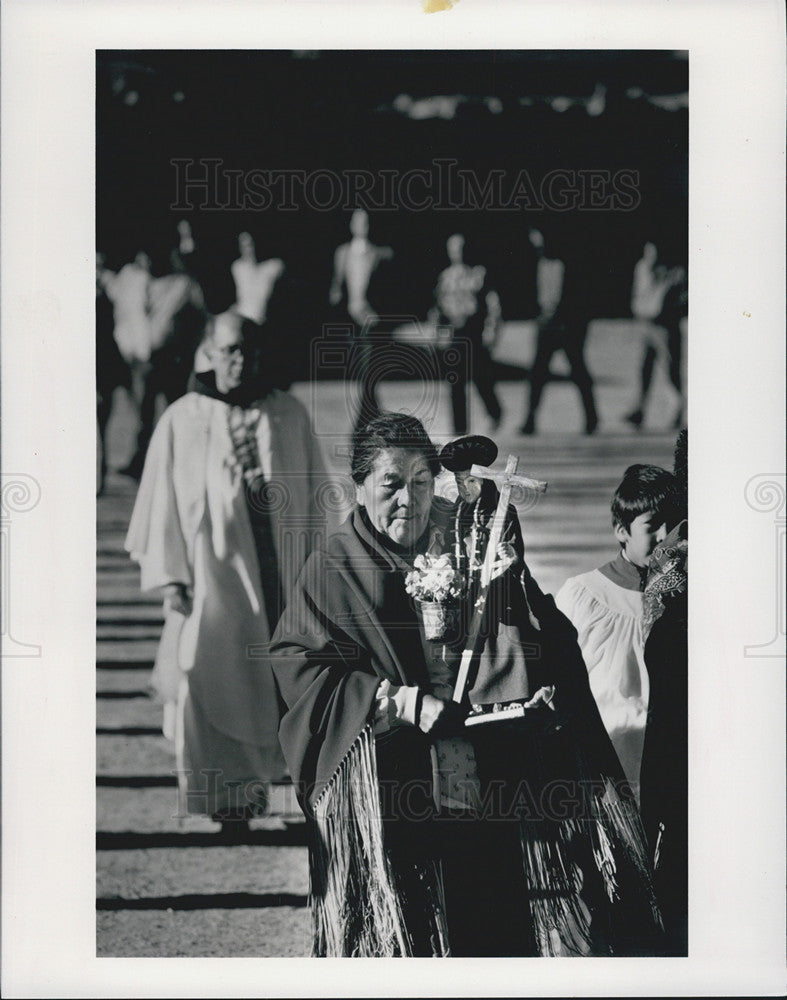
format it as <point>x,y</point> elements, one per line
<point>166,884</point>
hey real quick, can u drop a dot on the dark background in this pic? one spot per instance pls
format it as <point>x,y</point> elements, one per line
<point>333,110</point>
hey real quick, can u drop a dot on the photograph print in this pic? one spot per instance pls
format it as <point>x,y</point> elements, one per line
<point>392,518</point>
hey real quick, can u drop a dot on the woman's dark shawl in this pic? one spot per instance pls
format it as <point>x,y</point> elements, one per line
<point>348,625</point>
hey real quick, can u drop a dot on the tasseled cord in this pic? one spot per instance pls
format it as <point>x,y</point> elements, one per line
<point>356,910</point>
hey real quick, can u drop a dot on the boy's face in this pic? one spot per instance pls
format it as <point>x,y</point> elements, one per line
<point>642,536</point>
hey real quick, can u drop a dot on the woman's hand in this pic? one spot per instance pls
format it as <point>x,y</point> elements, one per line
<point>177,598</point>
<point>438,716</point>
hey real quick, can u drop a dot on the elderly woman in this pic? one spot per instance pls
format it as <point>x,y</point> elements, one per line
<point>408,855</point>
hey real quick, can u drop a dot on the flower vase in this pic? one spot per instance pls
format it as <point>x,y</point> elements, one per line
<point>441,620</point>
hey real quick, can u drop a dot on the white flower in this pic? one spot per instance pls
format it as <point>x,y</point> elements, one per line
<point>434,578</point>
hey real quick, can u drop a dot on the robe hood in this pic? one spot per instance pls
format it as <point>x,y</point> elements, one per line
<point>246,395</point>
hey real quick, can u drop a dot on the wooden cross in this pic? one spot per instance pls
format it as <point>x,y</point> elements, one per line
<point>505,481</point>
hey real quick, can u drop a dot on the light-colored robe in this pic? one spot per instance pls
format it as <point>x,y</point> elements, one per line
<point>191,525</point>
<point>254,281</point>
<point>168,295</point>
<point>129,291</point>
<point>608,620</point>
<point>354,263</point>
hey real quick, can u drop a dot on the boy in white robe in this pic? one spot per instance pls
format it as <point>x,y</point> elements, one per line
<point>228,509</point>
<point>605,607</point>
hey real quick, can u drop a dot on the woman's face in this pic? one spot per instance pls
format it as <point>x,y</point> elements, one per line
<point>398,494</point>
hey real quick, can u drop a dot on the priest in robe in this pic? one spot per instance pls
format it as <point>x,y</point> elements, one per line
<point>228,510</point>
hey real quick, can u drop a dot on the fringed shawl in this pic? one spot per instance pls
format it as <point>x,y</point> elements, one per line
<point>356,905</point>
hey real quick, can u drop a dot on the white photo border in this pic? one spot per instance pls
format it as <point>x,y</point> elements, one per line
<point>737,405</point>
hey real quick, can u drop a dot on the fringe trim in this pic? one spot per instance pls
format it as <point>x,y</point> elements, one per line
<point>618,820</point>
<point>561,919</point>
<point>356,909</point>
<point>357,905</point>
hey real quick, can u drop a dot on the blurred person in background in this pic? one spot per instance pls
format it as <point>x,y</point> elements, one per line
<point>254,280</point>
<point>176,322</point>
<point>130,293</point>
<point>354,266</point>
<point>111,369</point>
<point>467,304</point>
<point>226,514</point>
<point>659,299</point>
<point>187,246</point>
<point>562,325</point>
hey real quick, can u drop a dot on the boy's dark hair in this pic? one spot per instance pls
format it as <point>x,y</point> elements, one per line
<point>644,488</point>
<point>391,430</point>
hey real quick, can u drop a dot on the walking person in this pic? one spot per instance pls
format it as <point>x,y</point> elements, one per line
<point>129,291</point>
<point>354,266</point>
<point>226,514</point>
<point>658,299</point>
<point>254,280</point>
<point>417,846</point>
<point>176,322</point>
<point>111,369</point>
<point>605,606</point>
<point>467,304</point>
<point>564,315</point>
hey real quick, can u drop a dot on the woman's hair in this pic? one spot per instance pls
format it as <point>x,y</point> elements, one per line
<point>390,430</point>
<point>644,488</point>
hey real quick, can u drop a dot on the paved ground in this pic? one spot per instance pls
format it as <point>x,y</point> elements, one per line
<point>166,886</point>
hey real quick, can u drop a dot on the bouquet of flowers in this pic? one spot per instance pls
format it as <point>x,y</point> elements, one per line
<point>438,586</point>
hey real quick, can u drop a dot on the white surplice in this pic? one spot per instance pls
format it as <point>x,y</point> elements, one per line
<point>608,620</point>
